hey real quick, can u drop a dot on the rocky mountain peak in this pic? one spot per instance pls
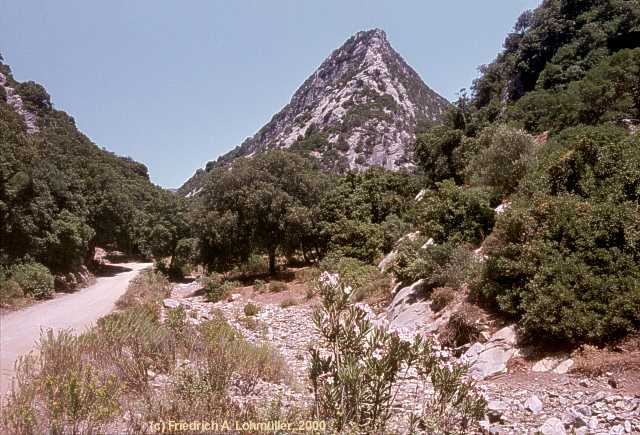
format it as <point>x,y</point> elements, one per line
<point>360,108</point>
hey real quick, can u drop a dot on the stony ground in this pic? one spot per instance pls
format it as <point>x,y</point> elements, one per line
<point>521,401</point>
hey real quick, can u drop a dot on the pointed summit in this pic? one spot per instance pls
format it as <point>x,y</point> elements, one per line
<point>360,108</point>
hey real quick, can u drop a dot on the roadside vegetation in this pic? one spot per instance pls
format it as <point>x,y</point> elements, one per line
<point>133,368</point>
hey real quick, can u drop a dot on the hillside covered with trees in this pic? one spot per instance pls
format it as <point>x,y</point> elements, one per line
<point>61,196</point>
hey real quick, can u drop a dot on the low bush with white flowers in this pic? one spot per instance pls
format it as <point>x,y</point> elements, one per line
<point>356,367</point>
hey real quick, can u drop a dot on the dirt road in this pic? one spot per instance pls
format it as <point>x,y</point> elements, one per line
<point>20,330</point>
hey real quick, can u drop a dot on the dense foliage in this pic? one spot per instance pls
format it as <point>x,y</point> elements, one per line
<point>280,203</point>
<point>61,195</point>
<point>563,260</point>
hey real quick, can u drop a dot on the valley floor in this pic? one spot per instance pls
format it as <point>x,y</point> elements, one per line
<point>520,401</point>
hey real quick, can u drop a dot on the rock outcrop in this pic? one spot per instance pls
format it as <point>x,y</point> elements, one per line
<point>360,108</point>
<point>15,101</point>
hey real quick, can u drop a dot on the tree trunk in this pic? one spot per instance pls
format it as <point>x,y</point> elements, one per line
<point>272,261</point>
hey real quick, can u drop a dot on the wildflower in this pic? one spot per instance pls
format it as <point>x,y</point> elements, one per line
<point>329,279</point>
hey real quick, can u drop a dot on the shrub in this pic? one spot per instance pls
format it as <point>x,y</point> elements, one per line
<point>148,288</point>
<point>277,286</point>
<point>176,319</point>
<point>289,302</point>
<point>601,163</point>
<point>366,280</point>
<point>10,290</point>
<point>130,343</point>
<point>455,214</point>
<point>462,327</point>
<point>566,268</point>
<point>184,256</point>
<point>216,289</point>
<point>227,352</point>
<point>438,153</point>
<point>503,158</point>
<point>251,309</point>
<point>33,278</point>
<point>353,375</point>
<point>258,362</point>
<point>259,285</point>
<point>355,239</point>
<point>254,265</point>
<point>60,392</point>
<point>441,297</point>
<point>393,229</point>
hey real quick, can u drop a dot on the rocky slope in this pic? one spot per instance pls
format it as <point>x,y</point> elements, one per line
<point>360,108</point>
<point>522,399</point>
<point>15,101</point>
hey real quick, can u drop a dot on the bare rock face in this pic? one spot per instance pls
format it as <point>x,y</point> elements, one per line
<point>15,101</point>
<point>360,108</point>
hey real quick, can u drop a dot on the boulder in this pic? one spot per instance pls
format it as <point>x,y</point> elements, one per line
<point>502,207</point>
<point>492,357</point>
<point>409,309</point>
<point>171,303</point>
<point>534,404</point>
<point>387,260</point>
<point>563,367</point>
<point>490,362</point>
<point>546,364</point>
<point>552,426</point>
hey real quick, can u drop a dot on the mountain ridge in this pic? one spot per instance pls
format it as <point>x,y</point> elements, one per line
<point>360,108</point>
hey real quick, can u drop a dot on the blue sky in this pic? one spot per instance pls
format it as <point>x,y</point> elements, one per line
<point>174,84</point>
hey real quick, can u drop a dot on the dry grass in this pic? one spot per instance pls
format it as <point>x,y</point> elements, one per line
<point>441,297</point>
<point>462,327</point>
<point>277,286</point>
<point>132,364</point>
<point>289,302</point>
<point>147,288</point>
<point>251,309</point>
<point>592,361</point>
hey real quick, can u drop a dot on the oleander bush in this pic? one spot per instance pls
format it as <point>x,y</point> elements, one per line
<point>354,370</point>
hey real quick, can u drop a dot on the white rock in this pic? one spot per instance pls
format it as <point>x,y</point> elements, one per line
<point>171,303</point>
<point>428,243</point>
<point>502,207</point>
<point>553,426</point>
<point>563,367</point>
<point>387,260</point>
<point>490,362</point>
<point>534,404</point>
<point>545,364</point>
<point>616,430</point>
<point>507,335</point>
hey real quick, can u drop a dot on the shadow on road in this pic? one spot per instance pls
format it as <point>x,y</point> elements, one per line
<point>110,270</point>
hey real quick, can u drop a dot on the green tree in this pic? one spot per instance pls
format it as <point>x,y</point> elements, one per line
<point>256,204</point>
